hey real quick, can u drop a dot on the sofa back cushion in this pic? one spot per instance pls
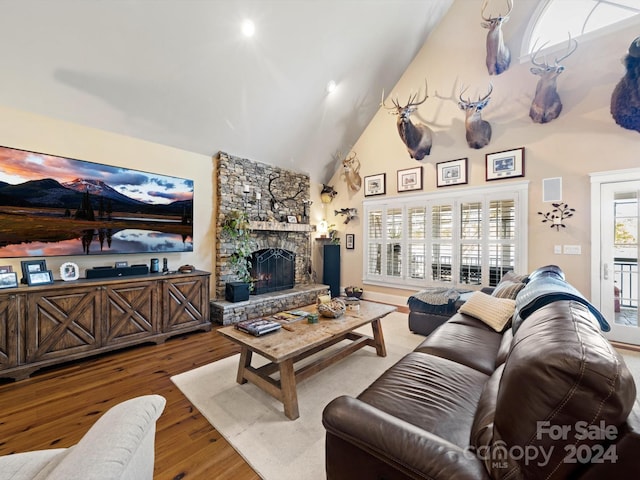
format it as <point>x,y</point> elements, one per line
<point>563,386</point>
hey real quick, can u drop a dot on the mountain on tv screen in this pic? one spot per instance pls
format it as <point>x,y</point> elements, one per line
<point>53,205</point>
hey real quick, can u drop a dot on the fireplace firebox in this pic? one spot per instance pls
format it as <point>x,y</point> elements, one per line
<point>272,269</point>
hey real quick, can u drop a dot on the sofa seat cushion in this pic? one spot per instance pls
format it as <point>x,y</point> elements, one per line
<point>560,377</point>
<point>465,340</point>
<point>430,392</point>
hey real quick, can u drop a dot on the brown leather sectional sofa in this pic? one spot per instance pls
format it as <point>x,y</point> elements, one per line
<point>553,400</point>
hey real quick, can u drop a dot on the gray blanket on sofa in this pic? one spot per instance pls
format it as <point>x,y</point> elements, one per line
<point>545,287</point>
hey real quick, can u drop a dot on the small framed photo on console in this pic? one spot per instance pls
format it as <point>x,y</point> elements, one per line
<point>32,266</point>
<point>39,278</point>
<point>8,280</point>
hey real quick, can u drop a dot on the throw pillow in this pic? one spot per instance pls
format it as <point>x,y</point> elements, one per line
<point>508,289</point>
<point>493,311</point>
<point>511,276</point>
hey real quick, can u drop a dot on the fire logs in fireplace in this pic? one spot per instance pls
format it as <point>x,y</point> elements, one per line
<point>272,269</point>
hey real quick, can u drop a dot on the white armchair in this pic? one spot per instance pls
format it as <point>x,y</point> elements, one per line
<point>120,445</point>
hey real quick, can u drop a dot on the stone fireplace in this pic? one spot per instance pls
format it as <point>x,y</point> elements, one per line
<point>276,201</point>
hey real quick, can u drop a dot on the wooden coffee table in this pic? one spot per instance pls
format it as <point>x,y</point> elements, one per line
<point>297,341</point>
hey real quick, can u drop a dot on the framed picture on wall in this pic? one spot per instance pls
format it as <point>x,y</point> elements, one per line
<point>507,164</point>
<point>375,184</point>
<point>453,172</point>
<point>410,179</point>
<point>350,241</point>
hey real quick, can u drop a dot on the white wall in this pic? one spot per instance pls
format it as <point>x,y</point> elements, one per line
<point>27,131</point>
<point>583,139</point>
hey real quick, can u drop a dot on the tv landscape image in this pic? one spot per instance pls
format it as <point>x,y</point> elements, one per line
<point>51,206</point>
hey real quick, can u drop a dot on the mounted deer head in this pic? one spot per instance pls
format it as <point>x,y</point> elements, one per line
<point>546,104</point>
<point>417,137</point>
<point>350,169</point>
<point>498,54</point>
<point>625,99</point>
<point>478,130</point>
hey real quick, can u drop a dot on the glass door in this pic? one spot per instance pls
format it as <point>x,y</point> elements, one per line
<point>619,280</point>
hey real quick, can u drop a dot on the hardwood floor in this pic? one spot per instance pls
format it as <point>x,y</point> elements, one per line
<point>56,407</point>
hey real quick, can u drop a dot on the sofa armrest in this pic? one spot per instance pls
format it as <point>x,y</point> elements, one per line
<point>398,443</point>
<point>120,444</point>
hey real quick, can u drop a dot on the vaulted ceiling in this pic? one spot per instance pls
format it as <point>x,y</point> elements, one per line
<point>181,73</point>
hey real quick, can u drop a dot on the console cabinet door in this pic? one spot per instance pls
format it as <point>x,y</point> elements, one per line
<point>185,302</point>
<point>64,322</point>
<point>131,311</point>
<point>8,331</point>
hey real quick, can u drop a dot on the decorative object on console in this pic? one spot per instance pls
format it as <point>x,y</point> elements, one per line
<point>375,185</point>
<point>546,104</point>
<point>506,164</point>
<point>69,271</point>
<point>8,280</point>
<point>350,170</point>
<point>478,130</point>
<point>186,268</point>
<point>154,265</point>
<point>74,205</point>
<point>625,99</point>
<point>453,172</point>
<point>350,241</point>
<point>558,215</point>
<point>410,179</point>
<point>349,213</point>
<point>416,136</point>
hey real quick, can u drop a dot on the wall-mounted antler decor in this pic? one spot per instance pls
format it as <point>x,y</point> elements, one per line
<point>560,212</point>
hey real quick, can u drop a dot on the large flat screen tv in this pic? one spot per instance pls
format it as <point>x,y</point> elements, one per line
<point>53,205</point>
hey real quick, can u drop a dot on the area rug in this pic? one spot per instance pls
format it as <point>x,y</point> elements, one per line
<point>253,422</point>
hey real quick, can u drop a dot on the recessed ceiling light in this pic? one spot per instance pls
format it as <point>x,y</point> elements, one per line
<point>331,86</point>
<point>248,28</point>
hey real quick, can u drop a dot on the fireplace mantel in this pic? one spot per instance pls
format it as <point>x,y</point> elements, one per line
<point>281,227</point>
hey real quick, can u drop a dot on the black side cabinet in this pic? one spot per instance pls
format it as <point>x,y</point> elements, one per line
<point>331,268</point>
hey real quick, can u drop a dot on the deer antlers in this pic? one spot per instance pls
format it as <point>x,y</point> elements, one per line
<point>545,65</point>
<point>488,19</point>
<point>411,104</point>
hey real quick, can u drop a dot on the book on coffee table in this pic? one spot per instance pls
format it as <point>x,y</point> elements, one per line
<point>258,327</point>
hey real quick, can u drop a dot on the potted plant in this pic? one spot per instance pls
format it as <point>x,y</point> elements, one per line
<point>237,230</point>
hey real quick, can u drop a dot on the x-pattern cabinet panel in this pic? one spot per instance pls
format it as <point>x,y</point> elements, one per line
<point>62,323</point>
<point>131,311</point>
<point>9,305</point>
<point>185,303</point>
<point>46,325</point>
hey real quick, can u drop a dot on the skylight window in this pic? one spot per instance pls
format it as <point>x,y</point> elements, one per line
<point>555,19</point>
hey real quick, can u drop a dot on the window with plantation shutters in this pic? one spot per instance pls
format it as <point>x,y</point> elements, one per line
<point>470,238</point>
